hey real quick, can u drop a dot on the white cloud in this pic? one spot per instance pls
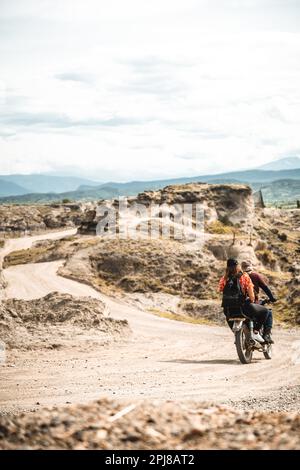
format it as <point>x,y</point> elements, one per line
<point>148,89</point>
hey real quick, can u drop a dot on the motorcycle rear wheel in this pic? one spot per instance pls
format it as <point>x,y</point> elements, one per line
<point>243,347</point>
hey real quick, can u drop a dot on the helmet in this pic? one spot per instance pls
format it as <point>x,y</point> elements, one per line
<point>231,262</point>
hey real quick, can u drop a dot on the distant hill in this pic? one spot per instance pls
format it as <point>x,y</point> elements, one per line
<point>255,178</point>
<point>288,163</point>
<point>281,190</point>
<point>248,176</point>
<point>50,184</point>
<point>45,183</point>
<point>7,188</point>
<point>89,194</point>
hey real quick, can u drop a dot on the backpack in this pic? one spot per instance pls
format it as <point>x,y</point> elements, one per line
<point>232,293</point>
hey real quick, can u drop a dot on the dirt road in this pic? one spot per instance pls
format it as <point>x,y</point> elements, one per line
<point>162,359</point>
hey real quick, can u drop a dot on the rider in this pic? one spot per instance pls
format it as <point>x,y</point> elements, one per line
<point>260,283</point>
<point>246,303</point>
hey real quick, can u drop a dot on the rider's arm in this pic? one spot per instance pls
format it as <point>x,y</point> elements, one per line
<point>248,286</point>
<point>221,284</point>
<point>265,288</point>
<point>250,292</point>
<point>268,292</point>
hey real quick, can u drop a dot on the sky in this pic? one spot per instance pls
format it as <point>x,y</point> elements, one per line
<point>132,89</point>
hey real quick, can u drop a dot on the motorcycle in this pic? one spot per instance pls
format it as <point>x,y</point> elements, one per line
<point>245,342</point>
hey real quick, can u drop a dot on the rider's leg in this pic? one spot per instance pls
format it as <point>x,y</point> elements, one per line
<point>268,324</point>
<point>258,313</point>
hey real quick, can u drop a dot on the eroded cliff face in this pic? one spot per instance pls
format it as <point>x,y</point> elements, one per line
<point>20,220</point>
<point>227,198</point>
<point>227,204</point>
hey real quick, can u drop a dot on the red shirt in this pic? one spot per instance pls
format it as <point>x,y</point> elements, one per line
<point>245,283</point>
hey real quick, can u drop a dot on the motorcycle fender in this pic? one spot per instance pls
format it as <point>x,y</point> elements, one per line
<point>237,325</point>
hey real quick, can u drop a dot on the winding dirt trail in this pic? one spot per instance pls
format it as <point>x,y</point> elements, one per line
<point>162,359</point>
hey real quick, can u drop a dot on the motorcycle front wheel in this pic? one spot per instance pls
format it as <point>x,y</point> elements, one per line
<point>243,346</point>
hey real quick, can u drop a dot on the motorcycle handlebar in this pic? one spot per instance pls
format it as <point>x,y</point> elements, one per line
<point>267,301</point>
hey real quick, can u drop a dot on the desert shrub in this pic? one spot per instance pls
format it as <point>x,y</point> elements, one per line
<point>282,237</point>
<point>219,228</point>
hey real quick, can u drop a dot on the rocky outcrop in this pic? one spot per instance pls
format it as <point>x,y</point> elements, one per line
<point>224,202</point>
<point>224,249</point>
<point>277,238</point>
<point>293,297</point>
<point>53,319</point>
<point>259,199</point>
<point>230,204</point>
<point>145,266</point>
<point>20,220</point>
<point>89,222</point>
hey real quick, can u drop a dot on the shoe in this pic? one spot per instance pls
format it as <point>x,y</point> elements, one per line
<point>268,338</point>
<point>258,337</point>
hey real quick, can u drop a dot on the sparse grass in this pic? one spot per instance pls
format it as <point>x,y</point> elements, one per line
<point>285,313</point>
<point>51,251</point>
<point>150,266</point>
<point>219,228</point>
<point>24,256</point>
<point>178,317</point>
<point>144,283</point>
<point>266,257</point>
<point>278,275</point>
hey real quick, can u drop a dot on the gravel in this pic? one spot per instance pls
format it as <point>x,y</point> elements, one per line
<point>284,399</point>
<point>107,424</point>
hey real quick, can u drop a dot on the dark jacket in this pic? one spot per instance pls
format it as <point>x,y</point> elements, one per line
<point>259,283</point>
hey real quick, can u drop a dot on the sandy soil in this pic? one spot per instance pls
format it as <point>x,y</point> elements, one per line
<point>162,359</point>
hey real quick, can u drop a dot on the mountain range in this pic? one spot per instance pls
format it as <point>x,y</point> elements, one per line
<point>15,185</point>
<point>287,163</point>
<point>281,184</point>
